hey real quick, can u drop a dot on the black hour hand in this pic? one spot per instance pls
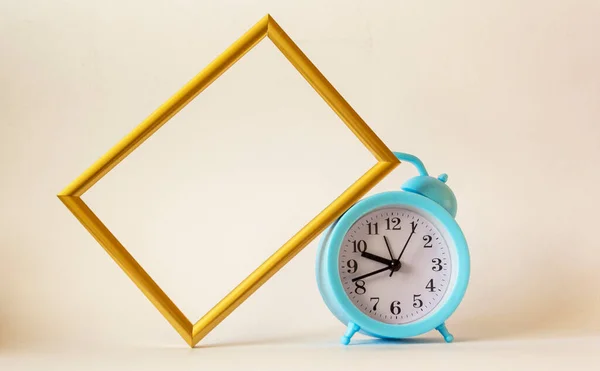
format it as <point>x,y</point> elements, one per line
<point>376,258</point>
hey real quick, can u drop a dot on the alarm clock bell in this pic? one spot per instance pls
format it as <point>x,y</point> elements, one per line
<point>435,189</point>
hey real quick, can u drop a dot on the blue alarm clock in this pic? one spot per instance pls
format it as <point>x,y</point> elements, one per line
<point>396,264</point>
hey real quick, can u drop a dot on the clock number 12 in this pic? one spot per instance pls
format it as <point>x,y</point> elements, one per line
<point>393,224</point>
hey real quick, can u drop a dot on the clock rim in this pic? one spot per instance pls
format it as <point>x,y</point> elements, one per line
<point>330,284</point>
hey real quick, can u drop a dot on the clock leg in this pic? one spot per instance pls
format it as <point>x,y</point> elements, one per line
<point>444,331</point>
<point>350,331</point>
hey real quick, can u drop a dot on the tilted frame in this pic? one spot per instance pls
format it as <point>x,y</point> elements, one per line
<point>193,333</point>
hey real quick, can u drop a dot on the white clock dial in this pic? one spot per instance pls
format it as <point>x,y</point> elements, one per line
<point>395,265</point>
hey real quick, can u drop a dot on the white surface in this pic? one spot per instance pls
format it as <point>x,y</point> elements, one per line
<point>501,95</point>
<point>316,352</point>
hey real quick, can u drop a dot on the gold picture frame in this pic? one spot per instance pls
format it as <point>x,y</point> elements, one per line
<point>193,333</point>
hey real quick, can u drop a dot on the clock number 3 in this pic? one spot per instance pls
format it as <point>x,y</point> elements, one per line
<point>437,264</point>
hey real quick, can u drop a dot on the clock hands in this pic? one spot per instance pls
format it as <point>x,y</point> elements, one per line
<point>392,264</point>
<point>387,244</point>
<point>371,274</point>
<point>394,261</point>
<point>414,227</point>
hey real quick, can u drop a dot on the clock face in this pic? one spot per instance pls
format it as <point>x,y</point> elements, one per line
<point>395,265</point>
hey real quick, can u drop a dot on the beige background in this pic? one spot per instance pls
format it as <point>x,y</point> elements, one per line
<point>502,95</point>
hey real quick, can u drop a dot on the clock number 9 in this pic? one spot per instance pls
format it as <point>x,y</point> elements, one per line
<point>359,246</point>
<point>360,287</point>
<point>352,266</point>
<point>395,308</point>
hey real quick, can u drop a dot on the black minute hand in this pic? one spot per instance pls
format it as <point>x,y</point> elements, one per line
<point>370,274</point>
<point>414,226</point>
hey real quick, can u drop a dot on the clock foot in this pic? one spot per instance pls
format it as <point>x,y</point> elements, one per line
<point>350,331</point>
<point>444,331</point>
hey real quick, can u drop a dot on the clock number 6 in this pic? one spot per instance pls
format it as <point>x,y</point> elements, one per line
<point>395,308</point>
